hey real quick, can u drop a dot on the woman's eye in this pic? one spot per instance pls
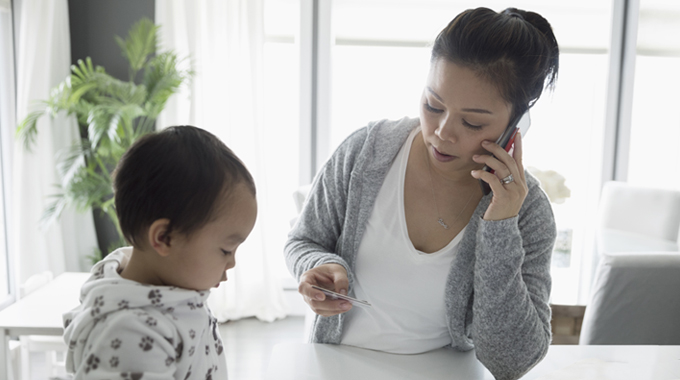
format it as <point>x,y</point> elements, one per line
<point>471,126</point>
<point>226,253</point>
<point>432,109</point>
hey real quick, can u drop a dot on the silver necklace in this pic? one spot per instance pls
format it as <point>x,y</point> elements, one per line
<point>434,197</point>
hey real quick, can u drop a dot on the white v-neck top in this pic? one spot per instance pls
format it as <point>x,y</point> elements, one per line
<point>405,286</point>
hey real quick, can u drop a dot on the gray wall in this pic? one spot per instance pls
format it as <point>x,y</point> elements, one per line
<point>93,24</point>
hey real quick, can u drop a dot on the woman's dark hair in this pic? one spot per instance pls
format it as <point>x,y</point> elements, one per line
<point>515,50</point>
<point>179,174</point>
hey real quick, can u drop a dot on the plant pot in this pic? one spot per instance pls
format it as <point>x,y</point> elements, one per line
<point>107,234</point>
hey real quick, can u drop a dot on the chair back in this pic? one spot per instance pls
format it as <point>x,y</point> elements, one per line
<point>648,212</point>
<point>635,300</point>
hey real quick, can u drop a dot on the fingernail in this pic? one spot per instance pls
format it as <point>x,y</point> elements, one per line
<point>343,291</point>
<point>485,142</point>
<point>319,297</point>
<point>344,306</point>
<point>476,156</point>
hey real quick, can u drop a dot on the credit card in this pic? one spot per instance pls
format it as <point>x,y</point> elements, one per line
<point>338,296</point>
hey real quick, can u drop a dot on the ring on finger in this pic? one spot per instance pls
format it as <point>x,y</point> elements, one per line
<point>508,179</point>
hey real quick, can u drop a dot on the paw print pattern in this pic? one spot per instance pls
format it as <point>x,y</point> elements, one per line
<point>188,373</point>
<point>123,305</point>
<point>170,310</point>
<point>178,350</point>
<point>72,345</point>
<point>192,350</point>
<point>131,375</point>
<point>114,361</point>
<point>192,333</point>
<point>92,363</point>
<point>219,348</point>
<point>99,273</point>
<point>169,361</point>
<point>211,371</point>
<point>213,322</point>
<point>155,297</point>
<point>191,305</point>
<point>151,321</point>
<point>207,349</point>
<point>199,305</point>
<point>98,304</point>
<point>115,344</point>
<point>146,344</point>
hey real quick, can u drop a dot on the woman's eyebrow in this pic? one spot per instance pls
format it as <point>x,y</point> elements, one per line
<point>435,94</point>
<point>476,110</point>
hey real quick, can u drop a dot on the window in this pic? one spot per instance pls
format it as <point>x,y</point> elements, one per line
<point>369,59</point>
<point>7,124</point>
<point>282,145</point>
<point>655,122</point>
<point>379,58</point>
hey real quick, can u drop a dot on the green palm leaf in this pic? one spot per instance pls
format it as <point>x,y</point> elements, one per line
<point>27,131</point>
<point>139,45</point>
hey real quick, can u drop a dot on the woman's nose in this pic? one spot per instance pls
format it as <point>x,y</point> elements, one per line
<point>445,132</point>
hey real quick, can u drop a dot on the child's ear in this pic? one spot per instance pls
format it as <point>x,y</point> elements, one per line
<point>158,236</point>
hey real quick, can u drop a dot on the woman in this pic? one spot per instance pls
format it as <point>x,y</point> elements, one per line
<point>391,217</point>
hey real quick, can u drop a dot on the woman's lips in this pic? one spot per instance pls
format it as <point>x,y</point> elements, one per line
<point>441,157</point>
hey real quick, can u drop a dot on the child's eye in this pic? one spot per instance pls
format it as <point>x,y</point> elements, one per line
<point>471,126</point>
<point>226,253</point>
<point>429,108</point>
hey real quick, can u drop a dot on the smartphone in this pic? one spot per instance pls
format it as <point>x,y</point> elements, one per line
<point>507,141</point>
<point>338,296</point>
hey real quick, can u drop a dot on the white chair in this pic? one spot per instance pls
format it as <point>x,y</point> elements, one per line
<point>53,347</point>
<point>634,299</point>
<point>634,218</point>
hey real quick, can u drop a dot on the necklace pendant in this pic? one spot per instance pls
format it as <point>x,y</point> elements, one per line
<point>441,221</point>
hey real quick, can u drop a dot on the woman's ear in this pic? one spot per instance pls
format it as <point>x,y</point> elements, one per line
<point>159,238</point>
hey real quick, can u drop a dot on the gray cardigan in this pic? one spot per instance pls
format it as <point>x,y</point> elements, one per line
<point>499,282</point>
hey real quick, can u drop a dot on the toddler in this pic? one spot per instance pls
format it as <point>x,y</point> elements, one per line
<point>185,203</point>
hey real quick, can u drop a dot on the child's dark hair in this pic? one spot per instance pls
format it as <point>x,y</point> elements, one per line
<point>179,174</point>
<point>515,50</point>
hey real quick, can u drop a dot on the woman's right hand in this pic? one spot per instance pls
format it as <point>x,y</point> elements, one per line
<point>328,276</point>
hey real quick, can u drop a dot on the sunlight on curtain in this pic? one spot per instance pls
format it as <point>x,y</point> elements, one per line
<point>225,42</point>
<point>7,123</point>
<point>43,61</point>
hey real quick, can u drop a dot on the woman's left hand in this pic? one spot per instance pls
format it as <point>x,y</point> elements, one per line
<point>507,198</point>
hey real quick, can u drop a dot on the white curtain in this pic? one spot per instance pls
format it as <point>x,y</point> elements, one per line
<point>43,61</point>
<point>224,39</point>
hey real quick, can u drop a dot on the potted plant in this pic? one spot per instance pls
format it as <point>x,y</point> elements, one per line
<point>112,114</point>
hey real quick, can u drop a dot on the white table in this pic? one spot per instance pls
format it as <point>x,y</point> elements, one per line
<point>331,362</point>
<point>39,313</point>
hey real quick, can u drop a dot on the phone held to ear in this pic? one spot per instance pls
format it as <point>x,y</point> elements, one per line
<point>507,141</point>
